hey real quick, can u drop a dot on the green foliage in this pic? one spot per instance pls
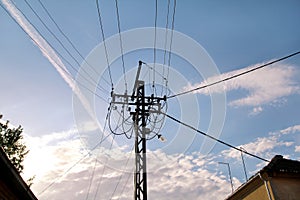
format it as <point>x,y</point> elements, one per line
<point>11,142</point>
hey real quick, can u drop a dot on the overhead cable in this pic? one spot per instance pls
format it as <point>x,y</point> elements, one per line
<point>75,164</point>
<point>68,39</point>
<point>213,138</point>
<point>121,45</point>
<point>154,49</point>
<point>104,43</point>
<point>63,46</point>
<point>171,40</point>
<point>234,76</point>
<point>120,177</point>
<point>43,49</point>
<point>165,45</point>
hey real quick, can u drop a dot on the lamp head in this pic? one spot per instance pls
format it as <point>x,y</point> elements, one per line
<point>161,138</point>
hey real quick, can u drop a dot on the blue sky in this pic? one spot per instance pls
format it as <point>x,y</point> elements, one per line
<point>262,108</point>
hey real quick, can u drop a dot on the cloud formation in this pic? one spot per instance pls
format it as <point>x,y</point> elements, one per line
<point>263,86</point>
<point>64,169</point>
<point>175,176</point>
<point>267,146</point>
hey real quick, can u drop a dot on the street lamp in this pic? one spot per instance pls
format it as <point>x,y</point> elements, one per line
<point>224,163</point>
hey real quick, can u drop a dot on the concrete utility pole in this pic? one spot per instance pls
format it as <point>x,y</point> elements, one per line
<point>143,106</point>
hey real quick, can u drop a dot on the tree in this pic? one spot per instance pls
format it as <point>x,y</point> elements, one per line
<point>12,144</point>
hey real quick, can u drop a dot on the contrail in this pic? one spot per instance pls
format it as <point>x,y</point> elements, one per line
<point>51,55</point>
<point>47,51</point>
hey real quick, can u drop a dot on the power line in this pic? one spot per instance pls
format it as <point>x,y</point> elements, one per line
<point>120,177</point>
<point>43,49</point>
<point>36,43</point>
<point>92,178</point>
<point>104,43</point>
<point>236,75</point>
<point>165,46</point>
<point>51,32</point>
<point>121,45</point>
<point>125,185</point>
<point>40,34</point>
<point>67,38</point>
<point>63,46</point>
<point>104,167</point>
<point>96,159</point>
<point>213,138</point>
<point>154,49</point>
<point>51,184</point>
<point>171,40</point>
<point>76,163</point>
<point>99,143</point>
<point>166,34</point>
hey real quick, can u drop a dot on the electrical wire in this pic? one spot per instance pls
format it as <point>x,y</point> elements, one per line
<point>99,143</point>
<point>100,181</point>
<point>154,49</point>
<point>96,159</point>
<point>51,184</point>
<point>165,46</point>
<point>166,33</point>
<point>81,159</point>
<point>51,32</point>
<point>104,43</point>
<point>122,191</point>
<point>76,163</point>
<point>237,75</point>
<point>121,45</point>
<point>91,179</point>
<point>113,131</point>
<point>171,40</point>
<point>61,67</point>
<point>63,46</point>
<point>36,43</point>
<point>213,138</point>
<point>36,31</point>
<point>155,71</point>
<point>103,170</point>
<point>68,39</point>
<point>42,48</point>
<point>69,169</point>
<point>120,177</point>
<point>234,76</point>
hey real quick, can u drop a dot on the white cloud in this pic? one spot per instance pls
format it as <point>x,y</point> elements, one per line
<point>175,176</point>
<point>264,86</point>
<point>291,129</point>
<point>46,152</point>
<point>256,110</point>
<point>54,159</point>
<point>258,147</point>
<point>264,146</point>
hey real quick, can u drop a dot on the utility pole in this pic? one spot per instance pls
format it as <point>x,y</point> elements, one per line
<point>143,107</point>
